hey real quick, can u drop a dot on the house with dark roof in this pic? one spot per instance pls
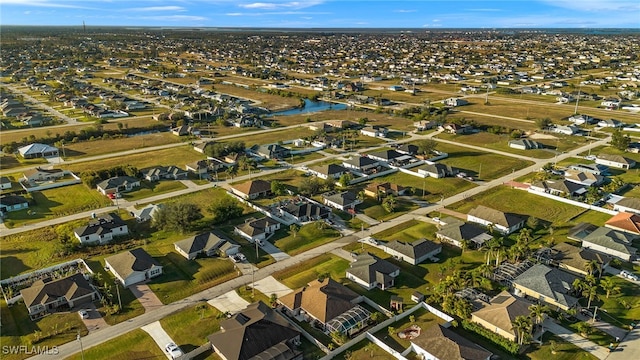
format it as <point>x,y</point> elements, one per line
<point>628,204</point>
<point>271,151</point>
<point>329,171</point>
<point>163,172</point>
<point>369,271</point>
<point>327,303</point>
<point>5,183</point>
<point>252,189</point>
<point>548,285</point>
<point>506,223</point>
<point>436,170</point>
<point>101,230</point>
<point>456,231</point>
<point>412,252</point>
<point>341,200</point>
<point>616,161</point>
<point>257,332</point>
<point>133,266</point>
<point>207,244</point>
<point>48,295</point>
<point>388,155</point>
<point>37,150</point>
<point>626,222</point>
<point>559,187</point>
<point>499,314</point>
<point>361,163</point>
<point>438,342</point>
<point>525,144</point>
<point>257,229</point>
<point>11,203</point>
<point>305,210</point>
<point>118,184</point>
<point>605,240</point>
<point>575,259</point>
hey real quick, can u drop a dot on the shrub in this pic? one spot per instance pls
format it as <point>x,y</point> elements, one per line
<point>506,344</point>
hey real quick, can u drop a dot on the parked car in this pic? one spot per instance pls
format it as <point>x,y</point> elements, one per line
<point>173,350</point>
<point>628,275</point>
<point>84,314</point>
<point>588,313</point>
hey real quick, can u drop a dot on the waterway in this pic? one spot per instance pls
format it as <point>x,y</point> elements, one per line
<point>310,107</point>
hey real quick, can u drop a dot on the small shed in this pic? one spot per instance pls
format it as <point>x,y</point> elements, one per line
<point>417,297</point>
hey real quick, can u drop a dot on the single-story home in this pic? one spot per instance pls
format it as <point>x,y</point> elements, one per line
<point>343,200</point>
<point>118,184</point>
<point>11,203</point>
<point>252,189</point>
<point>547,284</point>
<point>133,266</point>
<point>415,252</point>
<point>369,271</point>
<point>439,342</point>
<point>436,170</point>
<point>146,213</point>
<point>456,231</point>
<point>628,204</point>
<point>499,314</point>
<point>47,295</point>
<point>605,240</point>
<point>575,259</point>
<point>101,230</point>
<point>208,244</point>
<point>40,174</point>
<point>525,144</point>
<point>163,172</point>
<point>333,171</point>
<point>616,161</point>
<point>5,183</point>
<point>505,223</point>
<point>361,163</point>
<point>626,222</point>
<point>37,150</point>
<point>559,187</point>
<point>377,189</point>
<point>257,229</point>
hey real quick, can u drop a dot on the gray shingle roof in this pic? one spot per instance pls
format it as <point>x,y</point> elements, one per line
<point>550,282</point>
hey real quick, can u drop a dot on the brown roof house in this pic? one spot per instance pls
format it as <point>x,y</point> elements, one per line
<point>257,332</point>
<point>133,266</point>
<point>47,295</point>
<point>252,189</point>
<point>327,304</point>
<point>506,223</point>
<point>575,259</point>
<point>624,221</point>
<point>438,342</point>
<point>500,313</point>
<point>207,244</point>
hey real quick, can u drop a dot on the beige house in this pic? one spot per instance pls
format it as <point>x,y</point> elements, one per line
<point>500,313</point>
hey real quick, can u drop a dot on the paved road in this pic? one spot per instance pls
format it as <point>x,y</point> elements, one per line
<point>42,105</point>
<point>629,348</point>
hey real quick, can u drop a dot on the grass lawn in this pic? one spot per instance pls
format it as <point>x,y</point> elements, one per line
<point>136,344</point>
<point>290,177</point>
<point>621,308</point>
<point>177,156</point>
<point>270,101</point>
<point>308,237</point>
<point>433,188</point>
<point>272,137</point>
<point>302,274</point>
<point>564,350</point>
<point>305,157</point>
<point>148,189</point>
<point>190,327</point>
<point>54,330</point>
<point>423,318</point>
<point>374,209</point>
<point>597,336</point>
<point>251,295</point>
<point>408,231</point>
<point>53,203</point>
<point>364,350</point>
<point>105,146</point>
<point>11,161</point>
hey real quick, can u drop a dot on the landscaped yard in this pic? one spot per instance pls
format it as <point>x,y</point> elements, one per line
<point>272,137</point>
<point>136,344</point>
<point>302,274</point>
<point>190,327</point>
<point>423,318</point>
<point>564,350</point>
<point>433,188</point>
<point>408,231</point>
<point>622,308</point>
<point>53,330</point>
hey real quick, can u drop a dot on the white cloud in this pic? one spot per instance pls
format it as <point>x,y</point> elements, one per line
<point>404,11</point>
<point>267,13</point>
<point>281,5</point>
<point>596,5</point>
<point>174,18</point>
<point>42,3</point>
<point>158,8</point>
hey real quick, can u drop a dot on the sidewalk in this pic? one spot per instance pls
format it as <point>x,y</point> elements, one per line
<point>575,339</point>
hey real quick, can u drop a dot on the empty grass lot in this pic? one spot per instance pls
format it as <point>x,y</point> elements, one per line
<point>53,203</point>
<point>136,344</point>
<point>408,231</point>
<point>308,237</point>
<point>105,146</point>
<point>12,161</point>
<point>269,101</point>
<point>148,189</point>
<point>272,137</point>
<point>190,327</point>
<point>373,208</point>
<point>433,188</point>
<point>18,329</point>
<point>177,156</point>
<point>302,274</point>
<point>365,350</point>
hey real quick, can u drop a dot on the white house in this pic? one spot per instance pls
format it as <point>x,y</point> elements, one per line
<point>101,230</point>
<point>505,223</point>
<point>415,252</point>
<point>257,229</point>
<point>615,161</point>
<point>369,271</point>
<point>341,200</point>
<point>133,266</point>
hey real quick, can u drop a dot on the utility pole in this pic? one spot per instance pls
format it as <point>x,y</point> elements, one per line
<point>118,291</point>
<point>575,112</point>
<point>80,341</point>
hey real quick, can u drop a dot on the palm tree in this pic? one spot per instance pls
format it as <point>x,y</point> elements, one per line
<point>590,291</point>
<point>522,327</point>
<point>608,285</point>
<point>524,236</point>
<point>578,285</point>
<point>591,266</point>
<point>464,244</point>
<point>537,312</point>
<point>584,328</point>
<point>232,171</point>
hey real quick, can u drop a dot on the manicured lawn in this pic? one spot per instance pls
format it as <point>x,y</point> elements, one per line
<point>308,237</point>
<point>251,295</point>
<point>291,178</point>
<point>53,203</point>
<point>300,275</point>
<point>273,137</point>
<point>621,308</point>
<point>433,188</point>
<point>105,146</point>
<point>564,350</point>
<point>364,350</point>
<point>374,209</point>
<point>136,344</point>
<point>148,189</point>
<point>408,231</point>
<point>190,327</point>
<point>53,330</point>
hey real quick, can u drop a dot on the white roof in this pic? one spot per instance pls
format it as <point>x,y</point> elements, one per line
<point>36,148</point>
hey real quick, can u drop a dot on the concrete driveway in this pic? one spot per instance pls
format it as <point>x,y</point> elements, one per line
<point>95,321</point>
<point>147,298</point>
<point>159,335</point>
<point>277,254</point>
<point>270,285</point>
<point>230,301</point>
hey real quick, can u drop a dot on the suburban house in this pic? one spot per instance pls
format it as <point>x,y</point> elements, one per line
<point>390,156</point>
<point>40,174</point>
<point>47,295</point>
<point>559,187</point>
<point>146,213</point>
<point>328,304</point>
<point>200,147</point>
<point>201,168</point>
<point>583,177</point>
<point>5,183</point>
<point>369,271</point>
<point>455,102</point>
<point>439,342</point>
<point>575,259</point>
<point>11,203</point>
<point>456,231</point>
<point>582,119</point>
<point>377,189</point>
<point>133,266</point>
<point>415,252</point>
<point>343,200</point>
<point>163,172</point>
<point>455,128</point>
<point>408,149</point>
<point>101,230</point>
<point>596,169</point>
<point>305,210</point>
<point>257,332</point>
<point>547,284</point>
<point>499,315</point>
<point>257,229</point>
<point>611,123</point>
<point>361,163</point>
<point>605,240</point>
<point>506,223</point>
<point>271,151</point>
<point>525,144</point>
<point>628,204</point>
<point>436,170</point>
<point>374,131</point>
<point>615,161</point>
<point>252,189</point>
<point>565,129</point>
<point>37,150</point>
<point>207,244</point>
<point>117,184</point>
<point>425,125</point>
<point>626,222</point>
<point>330,171</point>
<point>185,130</point>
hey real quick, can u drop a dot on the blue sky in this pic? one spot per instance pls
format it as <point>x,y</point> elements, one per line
<point>326,13</point>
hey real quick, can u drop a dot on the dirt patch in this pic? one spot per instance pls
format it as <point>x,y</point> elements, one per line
<point>536,135</point>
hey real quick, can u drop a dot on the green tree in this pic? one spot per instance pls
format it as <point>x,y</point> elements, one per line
<point>619,140</point>
<point>294,228</point>
<point>278,188</point>
<point>584,328</point>
<point>177,216</point>
<point>310,186</point>
<point>427,146</point>
<point>389,204</point>
<point>543,123</point>
<point>345,179</point>
<point>522,327</point>
<point>224,208</point>
<point>592,266</point>
<point>590,291</point>
<point>609,286</point>
<point>537,312</point>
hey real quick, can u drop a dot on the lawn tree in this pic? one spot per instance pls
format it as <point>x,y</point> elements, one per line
<point>609,286</point>
<point>584,328</point>
<point>427,146</point>
<point>278,188</point>
<point>522,327</point>
<point>619,140</point>
<point>232,171</point>
<point>592,266</point>
<point>309,186</point>
<point>294,228</point>
<point>590,291</point>
<point>177,216</point>
<point>537,312</point>
<point>224,208</point>
<point>543,123</point>
<point>389,204</point>
<point>345,180</point>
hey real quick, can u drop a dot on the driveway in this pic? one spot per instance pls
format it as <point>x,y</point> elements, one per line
<point>95,321</point>
<point>147,298</point>
<point>577,340</point>
<point>629,348</point>
<point>270,285</point>
<point>230,301</point>
<point>159,335</point>
<point>276,254</point>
